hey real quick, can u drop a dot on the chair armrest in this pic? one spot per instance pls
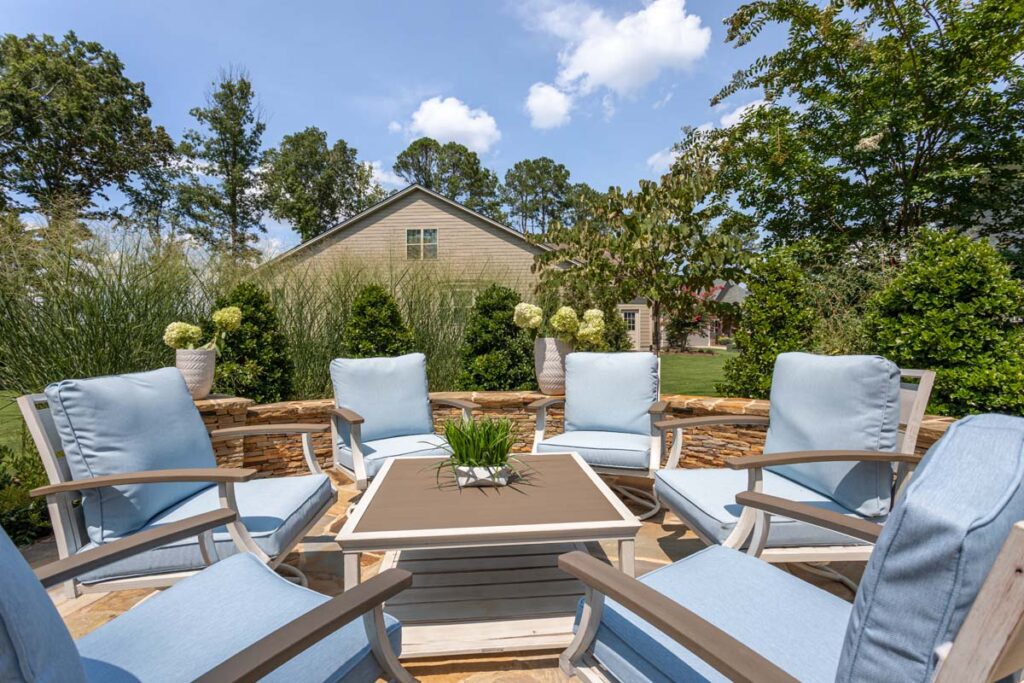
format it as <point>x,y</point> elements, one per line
<point>258,430</point>
<point>658,407</point>
<point>716,647</point>
<point>210,474</point>
<point>545,403</point>
<point>453,402</point>
<point>273,650</point>
<point>798,457</point>
<point>76,565</point>
<point>802,512</point>
<point>709,420</point>
<point>350,416</point>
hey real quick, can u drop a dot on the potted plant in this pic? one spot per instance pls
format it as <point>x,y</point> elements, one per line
<point>555,340</point>
<point>196,363</point>
<point>480,451</point>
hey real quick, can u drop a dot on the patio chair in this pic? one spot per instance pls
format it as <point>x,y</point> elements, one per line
<point>235,620</point>
<point>939,599</point>
<point>129,453</point>
<point>836,426</point>
<point>383,411</point>
<point>611,404</point>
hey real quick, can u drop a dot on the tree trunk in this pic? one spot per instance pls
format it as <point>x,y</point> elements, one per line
<point>656,329</point>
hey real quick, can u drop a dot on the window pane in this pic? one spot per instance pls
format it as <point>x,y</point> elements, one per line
<point>430,250</point>
<point>630,318</point>
<point>430,236</point>
<point>412,236</point>
<point>412,251</point>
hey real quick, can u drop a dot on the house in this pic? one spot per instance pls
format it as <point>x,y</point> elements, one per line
<point>418,225</point>
<point>640,320</point>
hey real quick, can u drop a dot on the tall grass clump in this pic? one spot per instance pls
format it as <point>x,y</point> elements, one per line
<point>77,305</point>
<point>314,305</point>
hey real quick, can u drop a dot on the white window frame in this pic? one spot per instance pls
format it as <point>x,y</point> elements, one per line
<point>418,249</point>
<point>627,315</point>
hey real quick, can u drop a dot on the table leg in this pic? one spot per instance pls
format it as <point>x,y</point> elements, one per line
<point>627,562</point>
<point>351,569</point>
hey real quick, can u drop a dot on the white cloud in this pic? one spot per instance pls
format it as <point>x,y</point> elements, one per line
<point>665,99</point>
<point>548,106</point>
<point>450,119</point>
<point>384,176</point>
<point>737,114</point>
<point>621,55</point>
<point>394,127</point>
<point>662,160</point>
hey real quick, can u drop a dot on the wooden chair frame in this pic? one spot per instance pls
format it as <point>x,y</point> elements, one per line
<point>914,397</point>
<point>988,647</point>
<point>273,650</point>
<point>649,502</point>
<point>63,495</point>
<point>354,420</point>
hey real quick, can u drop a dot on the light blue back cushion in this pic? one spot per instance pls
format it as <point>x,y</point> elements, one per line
<point>34,643</point>
<point>935,550</point>
<point>837,403</point>
<point>129,423</point>
<point>390,393</point>
<point>610,392</point>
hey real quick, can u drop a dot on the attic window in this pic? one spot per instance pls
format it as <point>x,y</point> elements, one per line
<point>421,243</point>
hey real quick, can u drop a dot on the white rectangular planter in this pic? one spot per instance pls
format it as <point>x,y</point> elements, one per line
<point>483,476</point>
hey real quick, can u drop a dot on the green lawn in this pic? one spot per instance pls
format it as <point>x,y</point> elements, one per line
<point>692,373</point>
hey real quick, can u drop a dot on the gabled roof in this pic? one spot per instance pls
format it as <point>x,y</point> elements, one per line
<point>391,199</point>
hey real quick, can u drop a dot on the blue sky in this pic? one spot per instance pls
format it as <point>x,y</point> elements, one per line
<point>600,86</point>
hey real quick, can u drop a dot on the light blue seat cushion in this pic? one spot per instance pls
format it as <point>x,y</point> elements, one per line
<point>185,631</point>
<point>34,643</point>
<point>378,452</point>
<point>607,449</point>
<point>129,423</point>
<point>610,392</point>
<point>790,622</point>
<point>837,403</point>
<point>275,511</point>
<point>389,393</point>
<point>705,499</point>
<point>936,550</point>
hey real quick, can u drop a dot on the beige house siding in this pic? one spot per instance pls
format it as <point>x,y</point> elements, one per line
<point>469,247</point>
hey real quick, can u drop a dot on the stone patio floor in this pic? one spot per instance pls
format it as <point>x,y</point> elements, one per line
<point>663,539</point>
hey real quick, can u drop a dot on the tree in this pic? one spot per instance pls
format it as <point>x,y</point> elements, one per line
<point>496,355</point>
<point>154,205</point>
<point>881,118</point>
<point>314,186</point>
<point>374,327</point>
<point>254,361</point>
<point>537,193</point>
<point>453,171</point>
<point>661,243</point>
<point>955,308</point>
<point>225,207</point>
<point>71,124</point>
<point>777,317</point>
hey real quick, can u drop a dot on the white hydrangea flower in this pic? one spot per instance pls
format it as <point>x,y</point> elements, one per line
<point>528,316</point>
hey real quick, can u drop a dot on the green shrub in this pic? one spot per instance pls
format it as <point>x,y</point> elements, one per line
<point>616,336</point>
<point>777,317</point>
<point>254,361</point>
<point>955,308</point>
<point>375,327</point>
<point>496,355</point>
<point>23,518</point>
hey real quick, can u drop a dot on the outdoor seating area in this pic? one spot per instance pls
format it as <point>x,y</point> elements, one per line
<point>522,341</point>
<point>415,570</point>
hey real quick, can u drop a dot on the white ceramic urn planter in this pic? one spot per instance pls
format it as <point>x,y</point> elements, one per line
<point>196,366</point>
<point>483,476</point>
<point>549,363</point>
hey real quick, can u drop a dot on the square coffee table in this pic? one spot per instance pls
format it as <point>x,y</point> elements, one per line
<point>484,560</point>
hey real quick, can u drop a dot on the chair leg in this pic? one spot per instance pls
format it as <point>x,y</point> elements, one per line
<point>823,570</point>
<point>649,503</point>
<point>293,574</point>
